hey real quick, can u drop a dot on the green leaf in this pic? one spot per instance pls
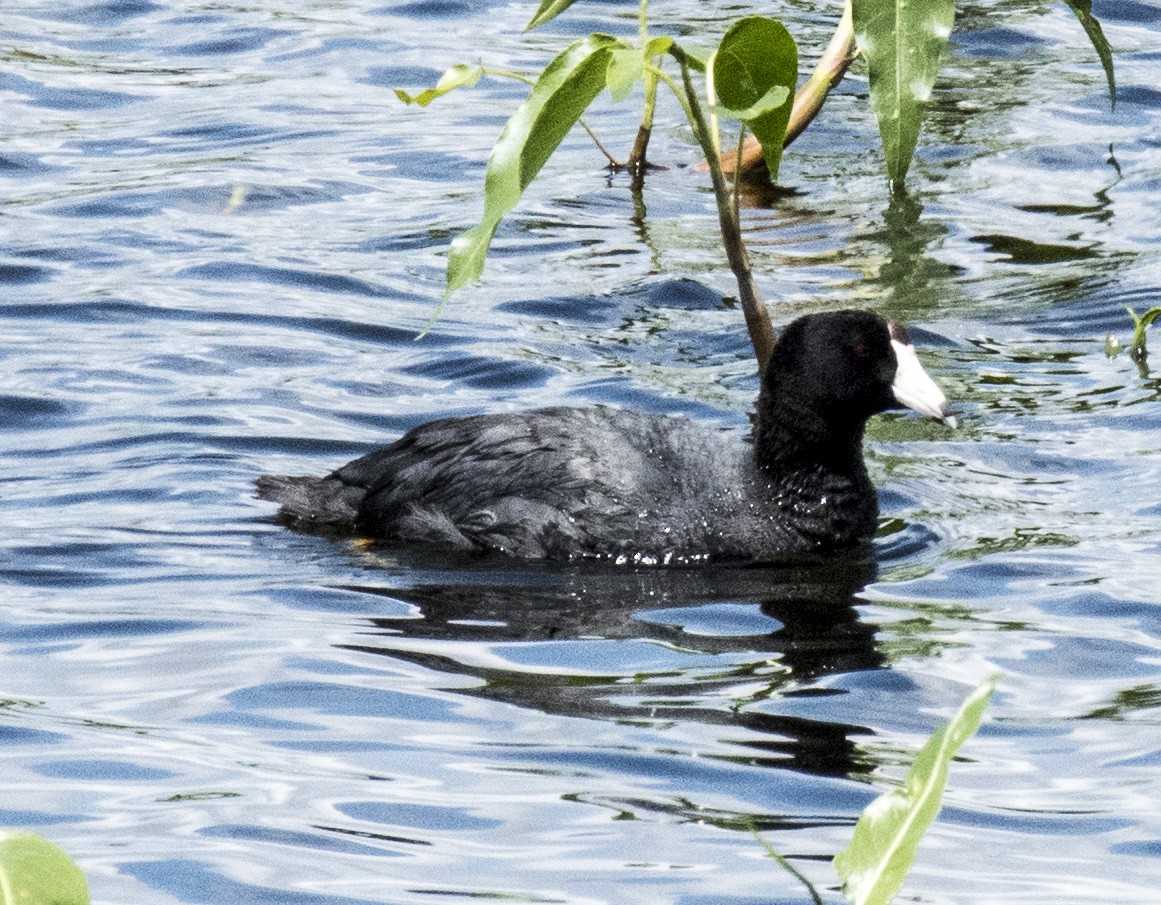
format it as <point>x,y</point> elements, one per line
<point>882,850</point>
<point>562,93</point>
<point>33,871</point>
<point>771,100</point>
<point>1092,28</point>
<point>549,9</point>
<point>658,46</point>
<point>458,76</point>
<point>903,41</point>
<point>757,57</point>
<point>626,64</point>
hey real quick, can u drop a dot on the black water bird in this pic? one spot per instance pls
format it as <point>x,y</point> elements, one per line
<point>570,483</point>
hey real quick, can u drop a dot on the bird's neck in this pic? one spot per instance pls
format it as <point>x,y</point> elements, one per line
<point>814,472</point>
<point>791,436</point>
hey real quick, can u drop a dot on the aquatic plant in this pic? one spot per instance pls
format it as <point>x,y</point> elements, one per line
<point>882,850</point>
<point>1138,350</point>
<point>750,78</point>
<point>874,865</point>
<point>33,871</point>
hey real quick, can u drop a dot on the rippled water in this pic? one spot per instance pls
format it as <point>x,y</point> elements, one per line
<point>221,235</point>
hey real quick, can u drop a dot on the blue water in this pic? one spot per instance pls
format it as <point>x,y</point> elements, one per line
<point>221,235</point>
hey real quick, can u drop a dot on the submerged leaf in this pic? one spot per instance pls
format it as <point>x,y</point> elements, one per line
<point>33,871</point>
<point>460,75</point>
<point>756,58</point>
<point>561,94</point>
<point>882,849</point>
<point>1092,28</point>
<point>903,41</point>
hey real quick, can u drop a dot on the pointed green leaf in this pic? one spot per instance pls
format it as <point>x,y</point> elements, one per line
<point>561,94</point>
<point>626,66</point>
<point>458,76</point>
<point>1092,28</point>
<point>465,260</point>
<point>882,849</point>
<point>903,41</point>
<point>33,871</point>
<point>549,9</point>
<point>756,57</point>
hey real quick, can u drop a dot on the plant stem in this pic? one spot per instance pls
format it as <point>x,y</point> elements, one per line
<point>637,162</point>
<point>737,181</point>
<point>613,162</point>
<point>790,868</point>
<point>676,89</point>
<point>808,101</point>
<point>509,74</point>
<point>528,80</point>
<point>757,317</point>
<point>711,98</point>
<point>1137,350</point>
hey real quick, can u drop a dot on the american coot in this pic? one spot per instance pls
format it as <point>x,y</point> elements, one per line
<point>566,483</point>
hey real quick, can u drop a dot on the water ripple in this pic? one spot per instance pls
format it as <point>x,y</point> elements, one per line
<point>224,237</point>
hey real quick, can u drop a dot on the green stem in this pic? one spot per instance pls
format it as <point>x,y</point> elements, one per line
<point>509,74</point>
<point>711,98</point>
<point>637,162</point>
<point>528,80</point>
<point>678,93</point>
<point>757,317</point>
<point>737,179</point>
<point>1138,351</point>
<point>790,868</point>
<point>613,162</point>
<point>831,68</point>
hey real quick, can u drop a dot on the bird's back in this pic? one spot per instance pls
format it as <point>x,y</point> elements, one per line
<point>554,482</point>
<point>567,483</point>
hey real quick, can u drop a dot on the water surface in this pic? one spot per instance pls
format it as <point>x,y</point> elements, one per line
<point>221,236</point>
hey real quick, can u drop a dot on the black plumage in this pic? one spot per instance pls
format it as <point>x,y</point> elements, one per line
<point>564,483</point>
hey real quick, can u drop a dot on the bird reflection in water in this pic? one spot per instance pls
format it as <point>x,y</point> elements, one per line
<point>798,625</point>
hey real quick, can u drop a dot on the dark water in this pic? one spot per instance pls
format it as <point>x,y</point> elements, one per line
<point>220,237</point>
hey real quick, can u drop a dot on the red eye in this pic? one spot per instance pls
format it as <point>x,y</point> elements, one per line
<point>861,351</point>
